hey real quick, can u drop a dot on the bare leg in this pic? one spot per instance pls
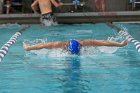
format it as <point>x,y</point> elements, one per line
<point>8,10</point>
<point>103,5</point>
<point>8,6</point>
<point>97,5</point>
<point>1,3</point>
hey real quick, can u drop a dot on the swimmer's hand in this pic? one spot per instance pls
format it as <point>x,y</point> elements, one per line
<point>25,46</point>
<point>123,43</point>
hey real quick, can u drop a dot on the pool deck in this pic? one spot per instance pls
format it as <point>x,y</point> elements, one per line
<point>69,18</point>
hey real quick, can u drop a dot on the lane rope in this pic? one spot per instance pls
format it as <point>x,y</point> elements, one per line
<point>123,31</point>
<point>4,49</point>
<point>131,39</point>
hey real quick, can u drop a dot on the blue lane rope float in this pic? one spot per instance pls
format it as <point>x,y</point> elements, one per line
<point>4,49</point>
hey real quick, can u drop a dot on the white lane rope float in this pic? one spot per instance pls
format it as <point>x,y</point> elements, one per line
<point>4,49</point>
<point>123,32</point>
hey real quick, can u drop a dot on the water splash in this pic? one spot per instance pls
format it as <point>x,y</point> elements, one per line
<point>111,49</point>
<point>35,41</point>
<point>84,50</point>
<point>106,49</point>
<point>48,22</point>
<point>59,52</point>
<point>51,53</point>
<point>89,50</point>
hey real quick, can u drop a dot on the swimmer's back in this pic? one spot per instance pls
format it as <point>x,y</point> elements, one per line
<point>45,6</point>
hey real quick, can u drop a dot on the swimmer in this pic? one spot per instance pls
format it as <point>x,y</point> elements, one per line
<point>46,10</point>
<point>74,45</point>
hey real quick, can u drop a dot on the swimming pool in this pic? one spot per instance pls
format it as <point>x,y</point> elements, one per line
<point>56,71</point>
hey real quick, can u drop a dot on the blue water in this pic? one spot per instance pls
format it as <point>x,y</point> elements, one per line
<point>56,71</point>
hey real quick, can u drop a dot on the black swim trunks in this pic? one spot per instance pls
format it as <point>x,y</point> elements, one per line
<point>49,16</point>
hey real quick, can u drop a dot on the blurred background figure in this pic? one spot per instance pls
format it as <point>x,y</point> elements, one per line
<point>45,6</point>
<point>1,6</point>
<point>100,5</point>
<point>8,6</point>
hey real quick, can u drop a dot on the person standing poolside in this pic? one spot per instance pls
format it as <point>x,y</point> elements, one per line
<point>74,46</point>
<point>1,6</point>
<point>103,5</point>
<point>46,10</point>
<point>5,6</point>
<point>8,6</point>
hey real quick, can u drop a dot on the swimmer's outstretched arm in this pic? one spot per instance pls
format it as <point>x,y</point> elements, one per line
<point>102,43</point>
<point>45,45</point>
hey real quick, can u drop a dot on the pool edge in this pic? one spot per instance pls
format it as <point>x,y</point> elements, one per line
<point>70,18</point>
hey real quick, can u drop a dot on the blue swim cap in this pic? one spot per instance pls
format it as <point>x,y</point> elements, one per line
<point>74,47</point>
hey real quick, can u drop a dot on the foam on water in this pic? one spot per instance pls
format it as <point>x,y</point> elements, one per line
<point>89,50</point>
<point>106,49</point>
<point>58,52</point>
<point>35,41</point>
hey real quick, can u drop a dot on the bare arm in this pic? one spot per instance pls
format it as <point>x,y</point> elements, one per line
<point>102,43</point>
<point>44,45</point>
<point>56,4</point>
<point>34,6</point>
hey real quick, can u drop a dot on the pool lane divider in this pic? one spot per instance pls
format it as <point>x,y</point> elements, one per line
<point>4,49</point>
<point>121,31</point>
<point>131,39</point>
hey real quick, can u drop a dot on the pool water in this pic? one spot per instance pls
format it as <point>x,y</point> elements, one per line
<point>56,71</point>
